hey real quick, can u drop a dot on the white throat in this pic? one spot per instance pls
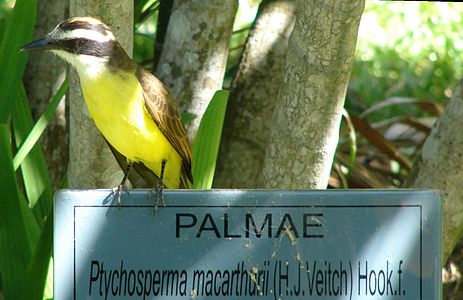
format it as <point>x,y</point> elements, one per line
<point>87,66</point>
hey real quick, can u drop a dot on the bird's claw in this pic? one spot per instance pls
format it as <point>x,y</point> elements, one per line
<point>159,196</point>
<point>117,192</point>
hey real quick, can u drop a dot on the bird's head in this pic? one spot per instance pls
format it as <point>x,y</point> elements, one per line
<point>84,42</point>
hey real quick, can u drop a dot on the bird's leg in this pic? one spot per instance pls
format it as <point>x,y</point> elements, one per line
<point>159,189</point>
<point>122,186</point>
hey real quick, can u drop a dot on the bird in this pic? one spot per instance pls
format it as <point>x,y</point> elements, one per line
<point>130,106</point>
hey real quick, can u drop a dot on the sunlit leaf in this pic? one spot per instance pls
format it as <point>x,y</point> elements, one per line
<point>380,142</point>
<point>40,125</point>
<point>207,142</point>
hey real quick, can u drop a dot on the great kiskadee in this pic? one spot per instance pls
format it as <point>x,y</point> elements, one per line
<point>130,106</point>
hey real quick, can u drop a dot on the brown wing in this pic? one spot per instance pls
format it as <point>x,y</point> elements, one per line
<point>164,112</point>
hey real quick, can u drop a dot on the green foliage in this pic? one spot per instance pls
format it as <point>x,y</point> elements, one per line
<point>245,17</point>
<point>40,125</point>
<point>18,31</point>
<point>406,66</point>
<point>26,229</point>
<point>15,247</point>
<point>35,180</point>
<point>146,18</point>
<point>406,49</point>
<point>207,142</point>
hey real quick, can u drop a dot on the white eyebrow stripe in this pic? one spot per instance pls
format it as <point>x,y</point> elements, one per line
<point>85,34</point>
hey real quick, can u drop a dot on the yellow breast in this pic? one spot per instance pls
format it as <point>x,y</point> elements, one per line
<point>116,104</point>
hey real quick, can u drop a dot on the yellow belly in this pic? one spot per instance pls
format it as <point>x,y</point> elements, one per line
<point>116,105</point>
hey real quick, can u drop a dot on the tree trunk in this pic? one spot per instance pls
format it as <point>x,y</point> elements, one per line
<point>305,124</point>
<point>195,52</point>
<point>440,166</point>
<point>253,96</point>
<point>91,163</point>
<point>42,82</point>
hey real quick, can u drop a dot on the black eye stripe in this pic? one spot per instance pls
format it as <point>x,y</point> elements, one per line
<point>86,46</point>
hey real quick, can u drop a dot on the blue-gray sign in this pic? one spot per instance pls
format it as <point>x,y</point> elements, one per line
<point>243,244</point>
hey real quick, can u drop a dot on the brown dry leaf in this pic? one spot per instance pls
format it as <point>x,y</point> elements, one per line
<point>377,139</point>
<point>363,177</point>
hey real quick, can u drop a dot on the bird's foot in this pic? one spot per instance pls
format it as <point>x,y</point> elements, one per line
<point>159,196</point>
<point>117,193</point>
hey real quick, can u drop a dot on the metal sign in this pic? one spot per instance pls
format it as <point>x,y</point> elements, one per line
<point>243,244</point>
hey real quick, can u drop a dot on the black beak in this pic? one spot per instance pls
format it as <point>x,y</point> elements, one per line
<point>42,44</point>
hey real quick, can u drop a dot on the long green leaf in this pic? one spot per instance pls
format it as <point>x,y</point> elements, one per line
<point>36,181</point>
<point>30,222</point>
<point>41,123</point>
<point>15,254</point>
<point>48,292</point>
<point>207,142</point>
<point>38,271</point>
<point>18,31</point>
